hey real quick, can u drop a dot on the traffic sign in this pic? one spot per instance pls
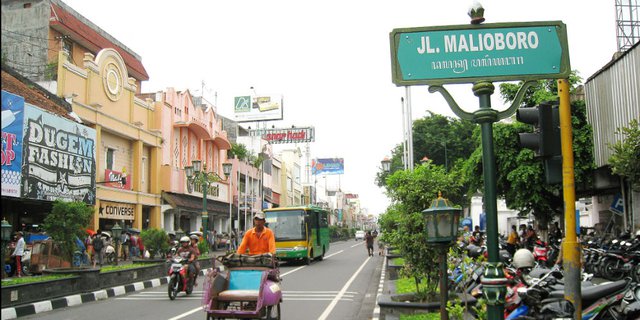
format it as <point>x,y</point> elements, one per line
<point>468,53</point>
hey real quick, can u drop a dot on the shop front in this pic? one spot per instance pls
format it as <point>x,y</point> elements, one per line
<point>185,212</point>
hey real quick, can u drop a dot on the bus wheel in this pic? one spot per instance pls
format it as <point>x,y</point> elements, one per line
<point>307,260</point>
<point>321,256</point>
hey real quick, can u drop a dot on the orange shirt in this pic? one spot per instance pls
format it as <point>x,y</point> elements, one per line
<point>258,245</point>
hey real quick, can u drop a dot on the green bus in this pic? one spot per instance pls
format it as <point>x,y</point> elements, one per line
<point>302,233</point>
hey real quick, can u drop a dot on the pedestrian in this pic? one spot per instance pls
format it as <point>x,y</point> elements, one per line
<point>476,237</point>
<point>98,248</point>
<point>523,234</point>
<point>126,241</point>
<point>141,248</point>
<point>530,237</point>
<point>18,252</point>
<point>512,240</point>
<point>133,249</point>
<point>88,243</point>
<point>369,239</point>
<point>380,247</point>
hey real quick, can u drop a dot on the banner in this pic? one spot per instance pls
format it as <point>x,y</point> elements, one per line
<point>12,124</point>
<point>262,108</point>
<point>59,158</point>
<point>116,210</point>
<point>291,135</point>
<point>327,166</point>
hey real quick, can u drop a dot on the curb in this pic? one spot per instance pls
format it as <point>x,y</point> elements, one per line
<point>78,299</point>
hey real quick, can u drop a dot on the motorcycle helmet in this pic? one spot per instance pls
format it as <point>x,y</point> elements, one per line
<point>184,239</point>
<point>523,258</point>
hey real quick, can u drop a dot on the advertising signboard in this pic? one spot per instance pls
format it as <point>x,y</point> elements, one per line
<point>116,177</point>
<point>469,53</point>
<point>116,210</point>
<point>12,124</point>
<point>327,166</point>
<point>280,136</point>
<point>59,158</point>
<point>260,108</point>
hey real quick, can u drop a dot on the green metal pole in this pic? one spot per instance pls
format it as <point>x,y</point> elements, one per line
<point>444,315</point>
<point>493,280</point>
<point>205,213</point>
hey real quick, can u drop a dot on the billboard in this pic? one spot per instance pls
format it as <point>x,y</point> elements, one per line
<point>59,158</point>
<point>258,108</point>
<point>12,123</point>
<point>327,166</point>
<point>280,136</point>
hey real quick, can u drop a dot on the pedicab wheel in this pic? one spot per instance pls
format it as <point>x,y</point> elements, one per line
<point>173,287</point>
<point>273,312</point>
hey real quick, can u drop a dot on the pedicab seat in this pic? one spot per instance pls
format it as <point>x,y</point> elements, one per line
<point>244,285</point>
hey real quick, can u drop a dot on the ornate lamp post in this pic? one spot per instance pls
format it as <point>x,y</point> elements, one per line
<point>197,175</point>
<point>441,225</point>
<point>226,168</point>
<point>6,236</point>
<point>386,164</point>
<point>117,232</point>
<point>179,234</point>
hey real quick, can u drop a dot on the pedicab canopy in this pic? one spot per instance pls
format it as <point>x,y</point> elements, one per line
<point>441,221</point>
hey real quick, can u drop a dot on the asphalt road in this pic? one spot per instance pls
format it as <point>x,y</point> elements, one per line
<point>342,286</point>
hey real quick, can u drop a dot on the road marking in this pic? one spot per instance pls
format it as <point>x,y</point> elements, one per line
<point>186,313</point>
<point>357,244</point>
<point>333,303</point>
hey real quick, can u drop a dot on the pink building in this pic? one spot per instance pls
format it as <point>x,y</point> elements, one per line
<point>191,130</point>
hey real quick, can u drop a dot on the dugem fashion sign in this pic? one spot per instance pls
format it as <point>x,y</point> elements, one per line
<point>468,53</point>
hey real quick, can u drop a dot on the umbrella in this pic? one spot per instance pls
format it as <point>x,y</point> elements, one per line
<point>106,234</point>
<point>134,230</point>
<point>90,232</point>
<point>197,233</point>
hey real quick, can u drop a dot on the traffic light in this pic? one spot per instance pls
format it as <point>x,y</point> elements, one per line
<point>545,140</point>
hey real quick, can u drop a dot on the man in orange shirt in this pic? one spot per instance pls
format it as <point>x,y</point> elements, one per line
<point>259,239</point>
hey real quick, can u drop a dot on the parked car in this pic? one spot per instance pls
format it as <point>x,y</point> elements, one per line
<point>359,235</point>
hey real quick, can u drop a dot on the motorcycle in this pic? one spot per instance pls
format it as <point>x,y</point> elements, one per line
<point>540,253</point>
<point>179,279</point>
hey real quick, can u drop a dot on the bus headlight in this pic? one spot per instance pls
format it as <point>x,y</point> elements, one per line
<point>299,248</point>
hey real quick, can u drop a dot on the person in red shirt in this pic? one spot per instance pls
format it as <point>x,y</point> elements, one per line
<point>259,239</point>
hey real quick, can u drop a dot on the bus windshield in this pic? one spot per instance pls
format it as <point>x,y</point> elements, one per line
<point>287,225</point>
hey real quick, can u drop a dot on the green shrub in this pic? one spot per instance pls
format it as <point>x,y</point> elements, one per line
<point>155,240</point>
<point>66,222</point>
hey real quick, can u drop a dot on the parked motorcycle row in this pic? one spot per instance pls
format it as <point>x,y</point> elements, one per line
<point>535,287</point>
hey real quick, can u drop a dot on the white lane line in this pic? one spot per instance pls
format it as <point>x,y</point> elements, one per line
<point>186,313</point>
<point>333,303</point>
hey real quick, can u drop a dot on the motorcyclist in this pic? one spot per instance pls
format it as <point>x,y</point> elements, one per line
<point>186,252</point>
<point>259,239</point>
<point>194,243</point>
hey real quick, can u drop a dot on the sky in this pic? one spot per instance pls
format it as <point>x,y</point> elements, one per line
<point>329,59</point>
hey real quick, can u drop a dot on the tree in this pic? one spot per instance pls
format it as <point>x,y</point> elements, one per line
<point>402,225</point>
<point>443,140</point>
<point>155,240</point>
<point>626,152</point>
<point>66,222</point>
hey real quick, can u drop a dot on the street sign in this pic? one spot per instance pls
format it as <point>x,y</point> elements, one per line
<point>468,53</point>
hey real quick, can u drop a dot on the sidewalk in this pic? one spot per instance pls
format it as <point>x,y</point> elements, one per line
<point>80,298</point>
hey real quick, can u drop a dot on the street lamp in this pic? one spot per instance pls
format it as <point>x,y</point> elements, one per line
<point>6,236</point>
<point>117,232</point>
<point>386,164</point>
<point>441,225</point>
<point>196,174</point>
<point>179,233</point>
<point>226,168</point>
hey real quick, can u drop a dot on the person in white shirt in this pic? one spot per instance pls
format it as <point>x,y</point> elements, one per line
<point>18,252</point>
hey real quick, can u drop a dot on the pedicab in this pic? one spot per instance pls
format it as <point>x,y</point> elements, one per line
<point>248,287</point>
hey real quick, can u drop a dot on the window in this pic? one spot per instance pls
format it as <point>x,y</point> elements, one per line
<point>67,46</point>
<point>109,158</point>
<point>144,166</point>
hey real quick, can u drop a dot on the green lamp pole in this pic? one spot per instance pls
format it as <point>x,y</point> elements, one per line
<point>6,236</point>
<point>196,174</point>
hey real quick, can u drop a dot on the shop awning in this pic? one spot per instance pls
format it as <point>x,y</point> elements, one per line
<point>183,201</point>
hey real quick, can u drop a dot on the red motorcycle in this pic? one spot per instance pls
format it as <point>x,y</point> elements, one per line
<point>540,251</point>
<point>179,277</point>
